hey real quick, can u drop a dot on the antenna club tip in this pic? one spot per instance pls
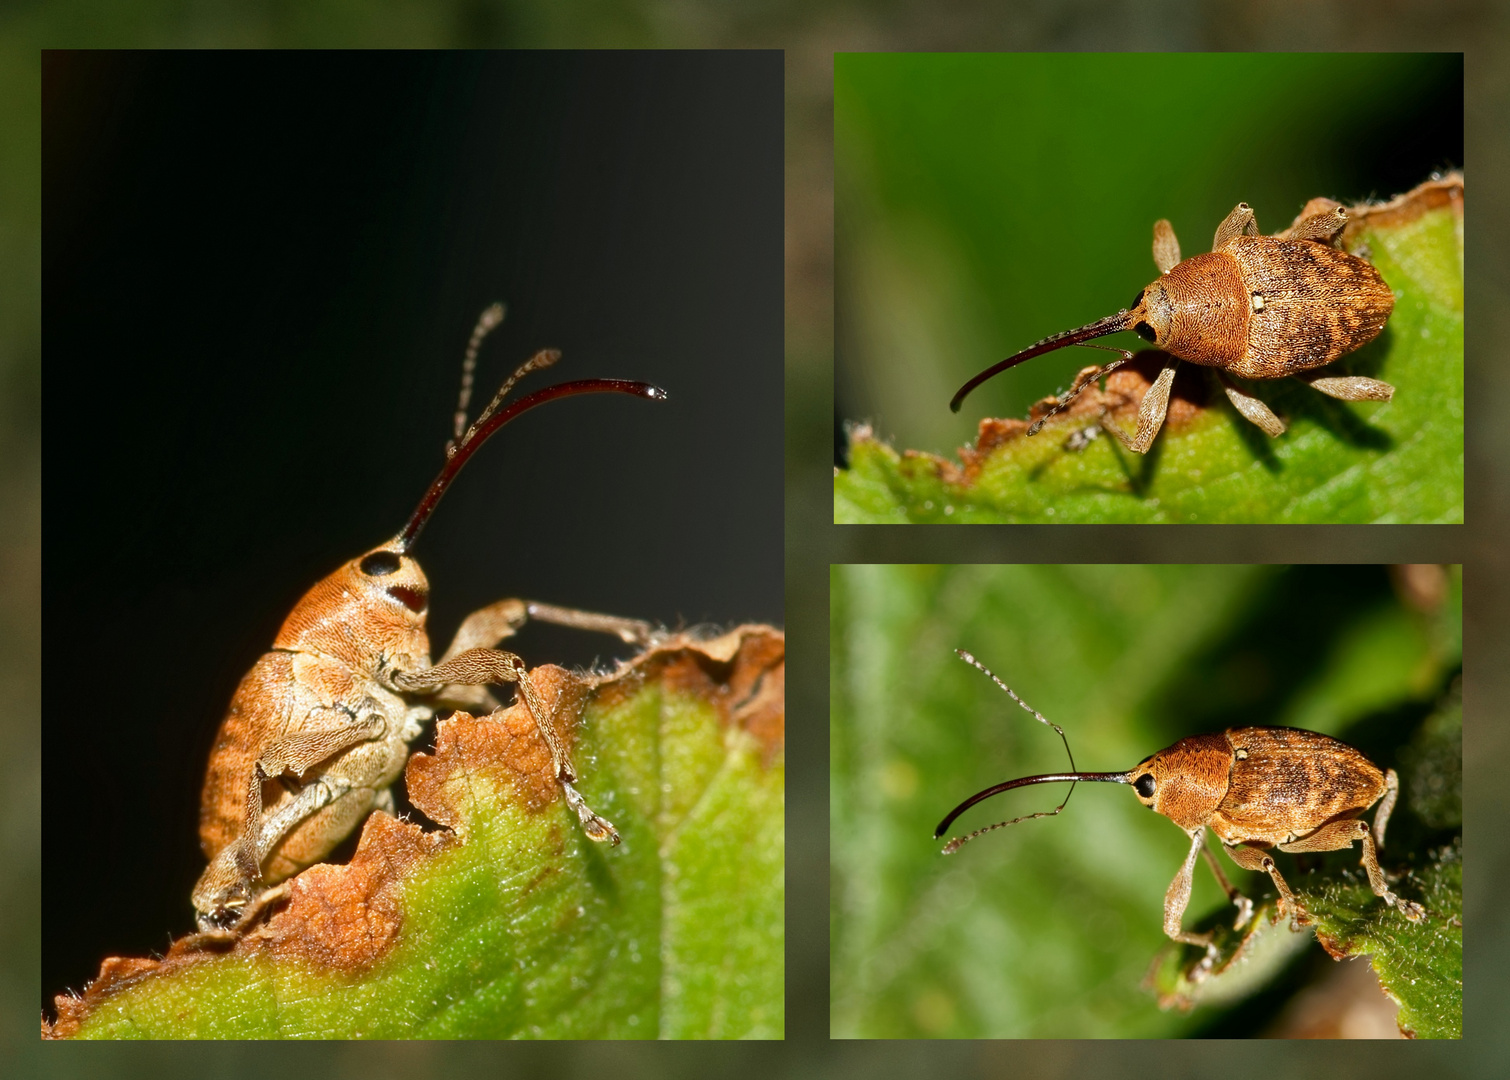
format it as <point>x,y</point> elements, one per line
<point>655,393</point>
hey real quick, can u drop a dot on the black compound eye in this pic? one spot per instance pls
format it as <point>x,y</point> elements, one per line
<point>1143,785</point>
<point>1144,331</point>
<point>379,563</point>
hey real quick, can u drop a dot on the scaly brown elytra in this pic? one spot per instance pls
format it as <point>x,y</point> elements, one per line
<point>1255,307</point>
<point>1256,788</point>
<point>320,727</point>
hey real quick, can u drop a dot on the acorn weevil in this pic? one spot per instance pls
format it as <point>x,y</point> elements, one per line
<point>1257,307</point>
<point>320,727</point>
<point>1256,788</point>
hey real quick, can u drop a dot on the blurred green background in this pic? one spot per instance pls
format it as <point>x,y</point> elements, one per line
<point>1045,930</point>
<point>983,202</point>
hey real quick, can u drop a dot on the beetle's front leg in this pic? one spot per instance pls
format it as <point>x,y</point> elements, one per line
<point>476,667</point>
<point>1151,411</point>
<point>1177,899</point>
<point>1166,246</point>
<point>486,627</point>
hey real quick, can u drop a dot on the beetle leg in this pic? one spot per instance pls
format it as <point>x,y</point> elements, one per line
<point>630,631</point>
<point>1410,909</point>
<point>1253,858</point>
<point>232,878</point>
<point>486,627</point>
<point>475,667</point>
<point>1177,899</point>
<point>303,750</point>
<point>314,797</point>
<point>1244,905</point>
<point>1348,387</point>
<point>210,934</point>
<point>1251,407</point>
<point>1166,246</point>
<point>1386,805</point>
<point>1240,222</point>
<point>1151,412</point>
<point>1336,835</point>
<point>1321,220</point>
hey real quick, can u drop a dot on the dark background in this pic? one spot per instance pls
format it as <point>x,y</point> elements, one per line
<point>261,272</point>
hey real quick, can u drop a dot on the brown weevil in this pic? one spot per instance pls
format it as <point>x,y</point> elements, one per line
<point>1255,307</point>
<point>320,727</point>
<point>1256,788</point>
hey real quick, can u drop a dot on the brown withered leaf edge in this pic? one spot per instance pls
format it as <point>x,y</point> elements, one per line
<point>348,917</point>
<point>1125,387</point>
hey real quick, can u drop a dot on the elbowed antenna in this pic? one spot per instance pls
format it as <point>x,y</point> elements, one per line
<point>1112,324</point>
<point>1007,785</point>
<point>1072,776</point>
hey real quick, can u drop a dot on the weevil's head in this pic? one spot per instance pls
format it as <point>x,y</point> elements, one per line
<point>1151,313</point>
<point>1184,782</point>
<point>370,612</point>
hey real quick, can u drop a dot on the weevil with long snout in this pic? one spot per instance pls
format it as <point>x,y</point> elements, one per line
<point>1255,788</point>
<point>320,727</point>
<point>1257,307</point>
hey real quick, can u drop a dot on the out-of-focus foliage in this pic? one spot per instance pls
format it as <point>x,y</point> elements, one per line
<point>1048,929</point>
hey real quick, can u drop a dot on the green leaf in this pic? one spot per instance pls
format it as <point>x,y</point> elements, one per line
<point>1396,461</point>
<point>1419,964</point>
<point>1050,928</point>
<point>1245,961</point>
<point>513,924</point>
